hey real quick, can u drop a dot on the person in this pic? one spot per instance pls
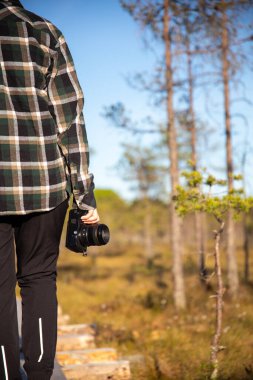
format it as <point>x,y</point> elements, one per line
<point>44,157</point>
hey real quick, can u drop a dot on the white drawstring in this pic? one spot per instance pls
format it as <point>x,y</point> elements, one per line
<point>5,365</point>
<point>41,340</point>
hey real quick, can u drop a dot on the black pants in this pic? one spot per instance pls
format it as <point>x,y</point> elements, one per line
<point>37,238</point>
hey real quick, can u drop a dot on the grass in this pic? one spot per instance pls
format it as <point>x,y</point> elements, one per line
<point>132,307</point>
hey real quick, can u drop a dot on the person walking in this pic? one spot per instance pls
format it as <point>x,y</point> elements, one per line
<point>44,157</point>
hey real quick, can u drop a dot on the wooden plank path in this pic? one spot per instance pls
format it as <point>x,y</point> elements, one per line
<point>78,358</point>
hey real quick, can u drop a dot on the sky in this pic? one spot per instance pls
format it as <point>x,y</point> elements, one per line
<point>107,46</point>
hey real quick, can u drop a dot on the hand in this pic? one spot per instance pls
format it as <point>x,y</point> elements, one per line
<point>91,217</point>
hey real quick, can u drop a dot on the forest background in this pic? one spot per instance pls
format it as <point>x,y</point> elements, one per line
<point>168,88</point>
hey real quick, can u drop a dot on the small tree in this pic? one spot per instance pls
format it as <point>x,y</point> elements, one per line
<point>192,198</point>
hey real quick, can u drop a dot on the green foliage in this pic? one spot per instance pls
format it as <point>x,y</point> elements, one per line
<point>238,177</point>
<point>105,196</point>
<point>141,167</point>
<point>112,208</point>
<point>126,219</point>
<point>194,178</point>
<point>191,197</point>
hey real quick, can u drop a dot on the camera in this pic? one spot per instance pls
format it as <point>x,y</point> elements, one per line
<point>80,235</point>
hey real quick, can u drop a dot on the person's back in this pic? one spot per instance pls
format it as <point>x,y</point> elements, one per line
<point>40,99</point>
<point>43,158</point>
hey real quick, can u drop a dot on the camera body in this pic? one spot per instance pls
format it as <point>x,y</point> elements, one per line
<point>80,235</point>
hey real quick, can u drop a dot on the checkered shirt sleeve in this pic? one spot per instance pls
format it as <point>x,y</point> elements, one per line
<point>66,107</point>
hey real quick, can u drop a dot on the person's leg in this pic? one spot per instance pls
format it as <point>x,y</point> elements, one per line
<point>37,245</point>
<point>9,340</point>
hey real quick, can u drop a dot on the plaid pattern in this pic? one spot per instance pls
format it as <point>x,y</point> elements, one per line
<point>43,143</point>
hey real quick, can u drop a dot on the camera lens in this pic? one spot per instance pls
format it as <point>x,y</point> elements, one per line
<point>103,234</point>
<point>93,235</point>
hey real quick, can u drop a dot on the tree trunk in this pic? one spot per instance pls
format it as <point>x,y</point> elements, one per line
<point>246,249</point>
<point>191,106</point>
<point>219,303</point>
<point>232,270</point>
<point>233,280</point>
<point>149,251</point>
<point>199,231</point>
<point>200,244</point>
<point>176,238</point>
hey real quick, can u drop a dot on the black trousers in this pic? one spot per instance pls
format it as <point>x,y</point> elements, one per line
<point>37,238</point>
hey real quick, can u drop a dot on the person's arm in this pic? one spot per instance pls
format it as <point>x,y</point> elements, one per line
<point>66,105</point>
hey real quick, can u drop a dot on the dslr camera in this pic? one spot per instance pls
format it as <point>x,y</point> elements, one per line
<point>80,235</point>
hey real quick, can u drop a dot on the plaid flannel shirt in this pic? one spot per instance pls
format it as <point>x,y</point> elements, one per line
<point>43,143</point>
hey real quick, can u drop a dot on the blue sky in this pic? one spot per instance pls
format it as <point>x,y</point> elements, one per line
<point>106,45</point>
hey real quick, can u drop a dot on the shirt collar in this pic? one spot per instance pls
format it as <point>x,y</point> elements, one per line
<point>12,3</point>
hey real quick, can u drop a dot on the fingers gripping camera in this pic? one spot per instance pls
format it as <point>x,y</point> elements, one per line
<point>80,235</point>
<point>91,217</point>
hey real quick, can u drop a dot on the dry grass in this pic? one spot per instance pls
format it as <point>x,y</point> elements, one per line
<point>132,307</point>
